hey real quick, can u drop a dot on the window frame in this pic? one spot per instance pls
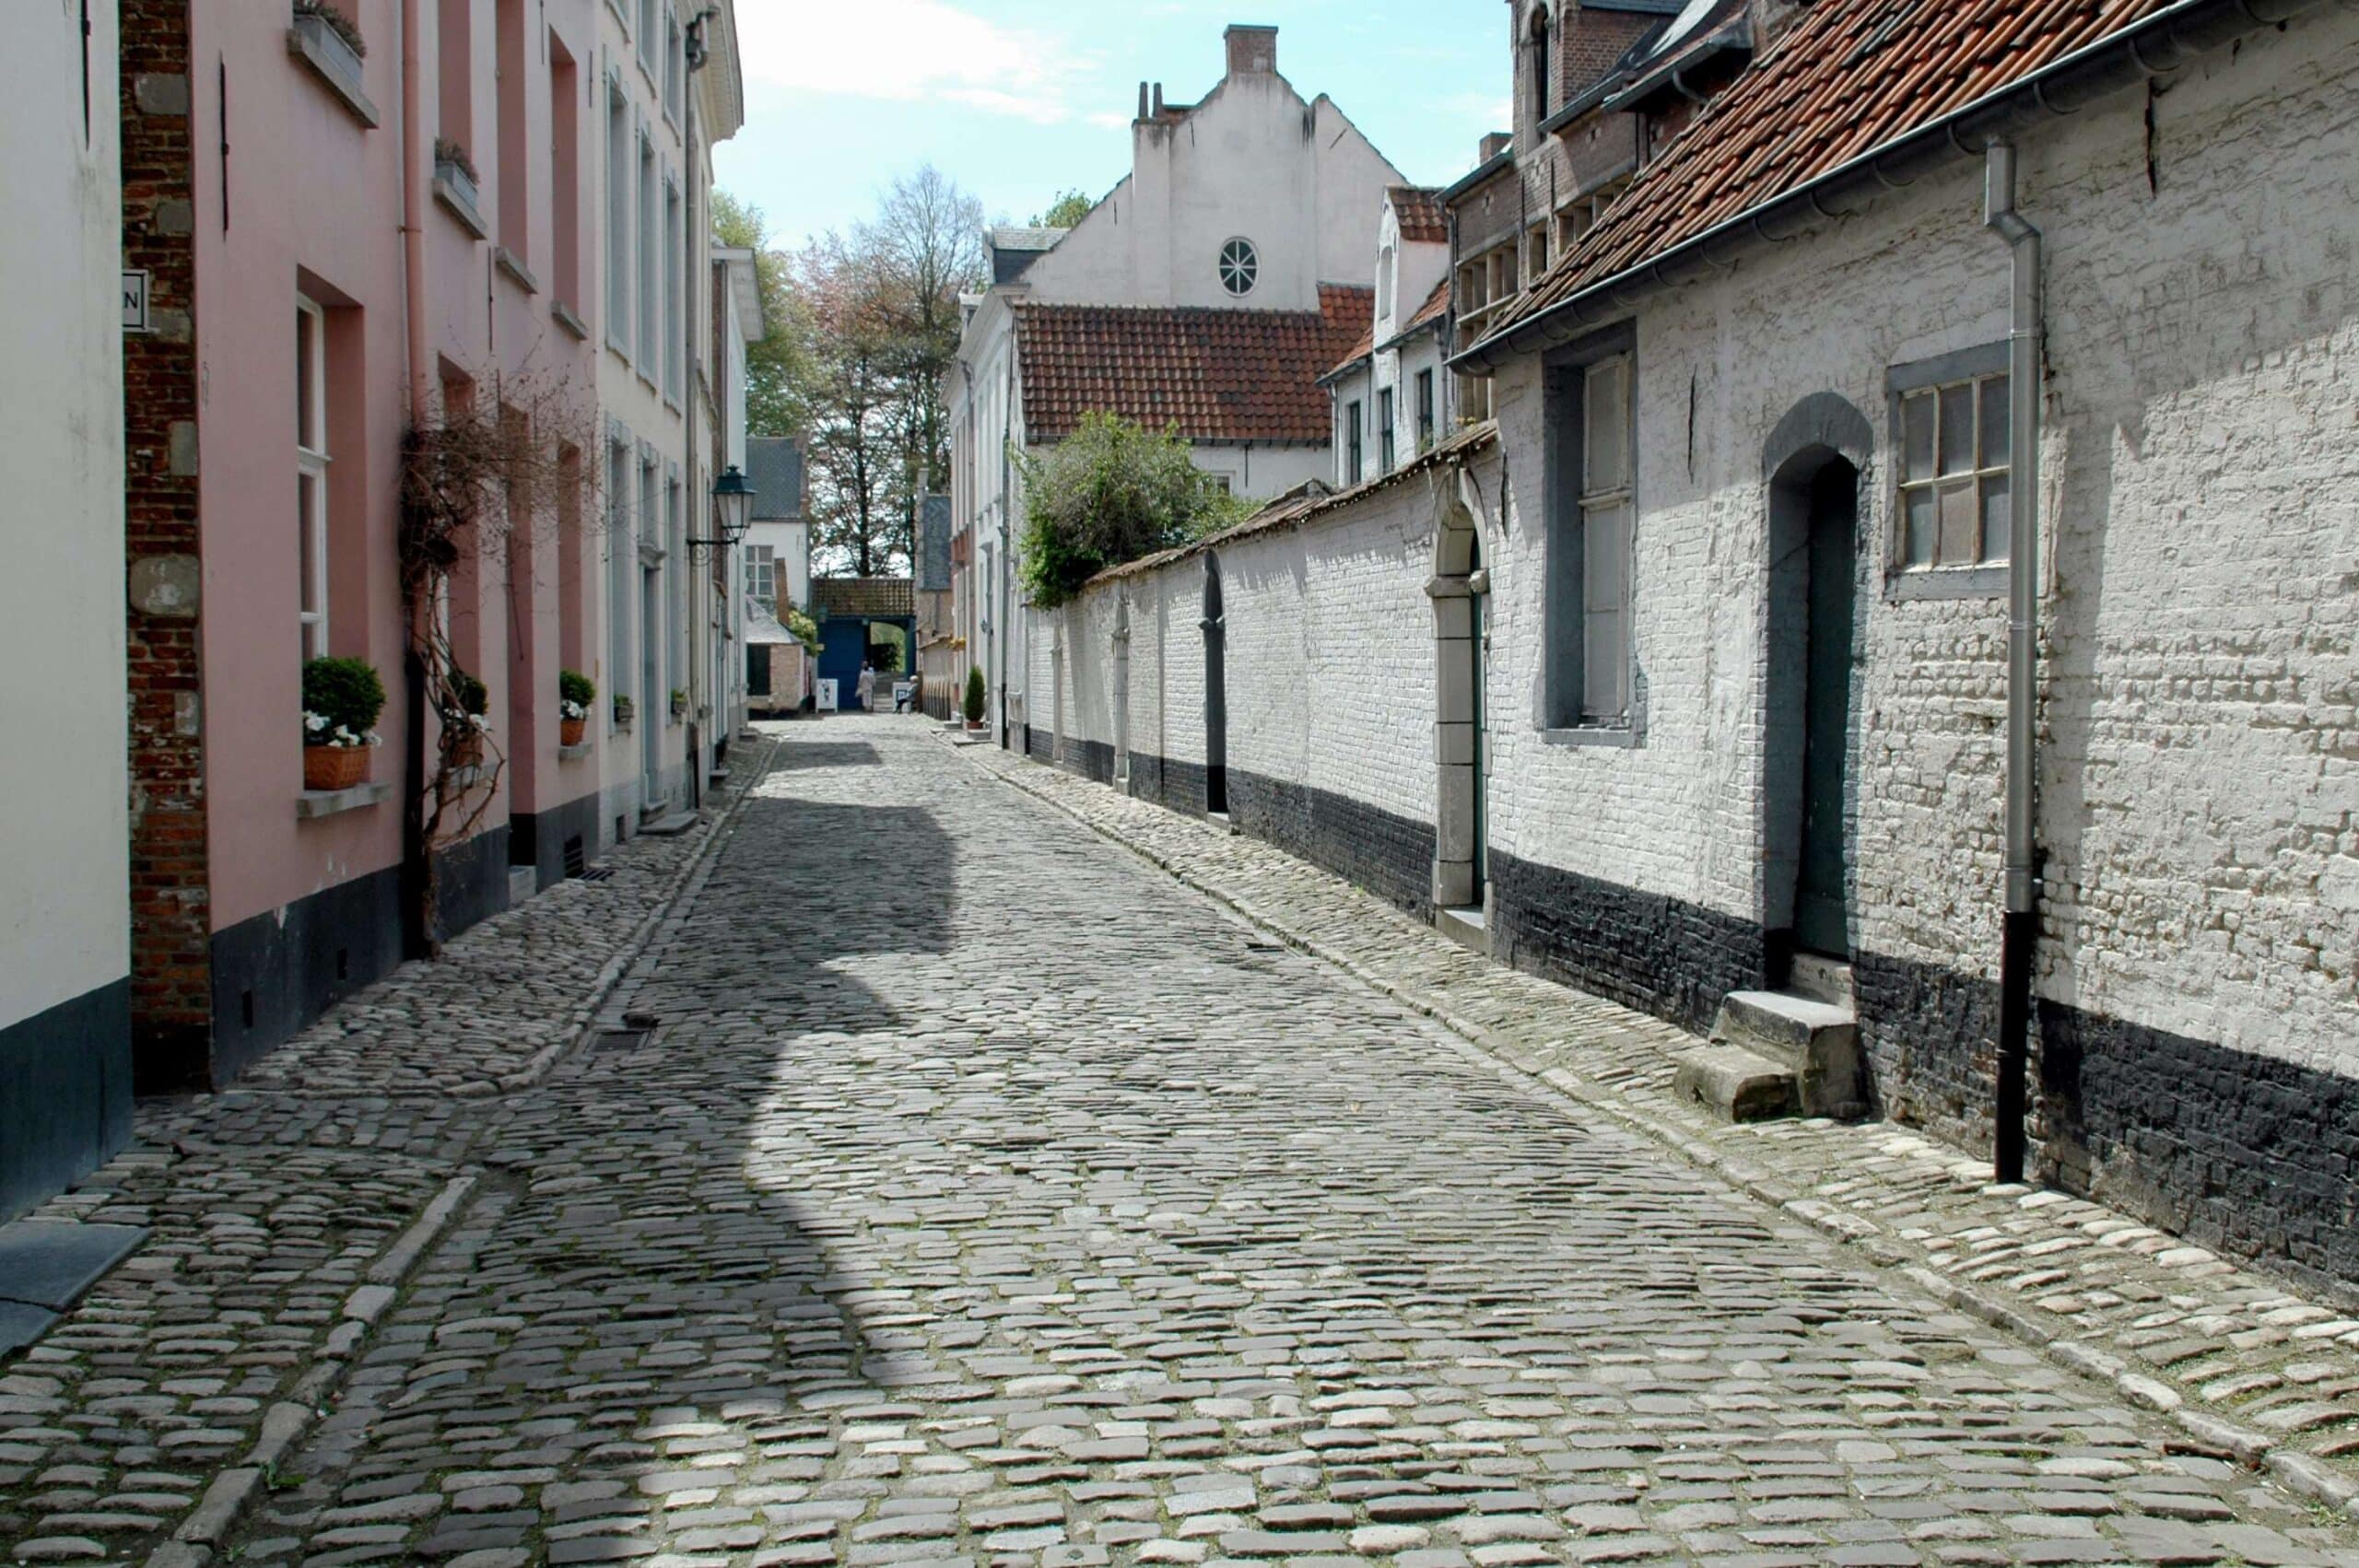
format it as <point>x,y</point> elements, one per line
<point>311,463</point>
<point>1985,577</point>
<point>1354,448</point>
<point>621,181</point>
<point>1425,412</point>
<point>1386,444</point>
<point>646,353</point>
<point>1576,495</point>
<point>674,316</point>
<point>1234,264</point>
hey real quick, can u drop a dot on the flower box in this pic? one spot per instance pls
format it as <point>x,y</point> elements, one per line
<point>335,768</point>
<point>570,731</point>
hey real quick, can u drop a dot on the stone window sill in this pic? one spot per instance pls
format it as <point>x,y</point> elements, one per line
<point>304,45</point>
<point>573,753</point>
<point>1946,582</point>
<point>455,202</point>
<point>514,266</point>
<point>312,804</point>
<point>569,321</point>
<point>1618,736</point>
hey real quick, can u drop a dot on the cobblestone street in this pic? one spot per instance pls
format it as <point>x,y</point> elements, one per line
<point>963,1188</point>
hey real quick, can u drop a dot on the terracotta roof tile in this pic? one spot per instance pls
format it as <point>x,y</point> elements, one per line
<point>1214,375</point>
<point>855,596</point>
<point>1436,305</point>
<point>1423,220</point>
<point>1846,77</point>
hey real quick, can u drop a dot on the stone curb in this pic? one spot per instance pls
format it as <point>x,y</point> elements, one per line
<point>287,1421</point>
<point>2297,1472</point>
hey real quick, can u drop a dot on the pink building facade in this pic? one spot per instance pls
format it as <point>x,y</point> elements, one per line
<point>331,273</point>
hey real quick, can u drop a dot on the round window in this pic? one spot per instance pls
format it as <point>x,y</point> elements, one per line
<point>1238,266</point>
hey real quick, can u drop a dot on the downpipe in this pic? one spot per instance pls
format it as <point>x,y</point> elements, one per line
<point>2020,928</point>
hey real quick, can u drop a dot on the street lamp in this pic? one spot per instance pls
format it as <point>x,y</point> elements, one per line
<point>732,508</point>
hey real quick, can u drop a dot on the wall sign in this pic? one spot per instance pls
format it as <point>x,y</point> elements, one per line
<point>135,300</point>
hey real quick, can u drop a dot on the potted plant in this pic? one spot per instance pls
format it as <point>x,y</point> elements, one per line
<point>575,692</point>
<point>456,170</point>
<point>334,34</point>
<point>342,698</point>
<point>474,705</point>
<point>679,703</point>
<point>974,705</point>
<point>625,711</point>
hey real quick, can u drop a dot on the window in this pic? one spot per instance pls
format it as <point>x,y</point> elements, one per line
<point>565,174</point>
<point>1540,100</point>
<point>761,575</point>
<point>1605,541</point>
<point>622,563</point>
<point>1425,410</point>
<point>311,474</point>
<point>675,570</point>
<point>454,56</point>
<point>1241,266</point>
<point>675,64</point>
<point>675,331</point>
<point>1384,448</point>
<point>1953,429</point>
<point>1535,251</point>
<point>1591,520</point>
<point>1385,268</point>
<point>618,176</point>
<point>1353,454</point>
<point>651,287</point>
<point>646,35</point>
<point>516,151</point>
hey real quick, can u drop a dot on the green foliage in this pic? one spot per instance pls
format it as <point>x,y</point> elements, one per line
<point>344,692</point>
<point>974,704</point>
<point>1065,212</point>
<point>805,630</point>
<point>475,697</point>
<point>574,686</point>
<point>1110,493</point>
<point>884,656</point>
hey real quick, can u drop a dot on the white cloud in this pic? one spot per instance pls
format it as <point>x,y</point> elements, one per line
<point>910,51</point>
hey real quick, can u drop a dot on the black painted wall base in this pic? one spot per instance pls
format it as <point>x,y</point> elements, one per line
<point>537,839</point>
<point>65,1094</point>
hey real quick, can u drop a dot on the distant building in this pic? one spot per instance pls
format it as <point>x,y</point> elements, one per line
<point>777,547</point>
<point>1208,292</point>
<point>1391,398</point>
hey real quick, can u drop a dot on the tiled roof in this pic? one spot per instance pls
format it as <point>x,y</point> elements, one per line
<point>1845,77</point>
<point>1423,219</point>
<point>855,596</point>
<point>1436,305</point>
<point>1215,375</point>
<point>1353,358</point>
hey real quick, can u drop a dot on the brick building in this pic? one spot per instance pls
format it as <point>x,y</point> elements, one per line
<point>1727,671</point>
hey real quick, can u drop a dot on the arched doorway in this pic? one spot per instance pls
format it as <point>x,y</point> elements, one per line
<point>1215,693</point>
<point>1815,556</point>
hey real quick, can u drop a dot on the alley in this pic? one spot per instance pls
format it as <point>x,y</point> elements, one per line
<point>982,1195</point>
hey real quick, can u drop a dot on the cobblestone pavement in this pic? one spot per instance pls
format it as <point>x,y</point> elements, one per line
<point>977,1194</point>
<point>2240,1361</point>
<point>275,1215</point>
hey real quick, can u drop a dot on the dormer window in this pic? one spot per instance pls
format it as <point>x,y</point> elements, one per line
<point>1386,263</point>
<point>1239,267</point>
<point>1541,106</point>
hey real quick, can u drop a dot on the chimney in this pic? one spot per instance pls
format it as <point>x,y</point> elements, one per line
<point>1141,100</point>
<point>1159,100</point>
<point>1252,50</point>
<point>1494,145</point>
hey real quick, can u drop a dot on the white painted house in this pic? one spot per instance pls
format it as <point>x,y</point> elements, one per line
<point>64,937</point>
<point>1392,399</point>
<point>1207,292</point>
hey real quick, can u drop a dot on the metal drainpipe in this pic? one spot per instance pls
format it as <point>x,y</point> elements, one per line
<point>418,939</point>
<point>2016,941</point>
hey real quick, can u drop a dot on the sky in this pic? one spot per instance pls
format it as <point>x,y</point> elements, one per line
<point>1018,100</point>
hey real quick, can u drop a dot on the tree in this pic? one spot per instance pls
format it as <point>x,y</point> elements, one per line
<point>779,368</point>
<point>1112,492</point>
<point>1065,212</point>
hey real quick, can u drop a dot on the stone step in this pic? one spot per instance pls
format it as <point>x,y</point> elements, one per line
<point>670,827</point>
<point>1816,1042</point>
<point>1735,1084</point>
<point>1822,978</point>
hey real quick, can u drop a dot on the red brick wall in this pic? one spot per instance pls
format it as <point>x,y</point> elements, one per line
<point>171,925</point>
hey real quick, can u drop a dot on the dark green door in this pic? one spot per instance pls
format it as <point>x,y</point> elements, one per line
<point>1477,649</point>
<point>1822,911</point>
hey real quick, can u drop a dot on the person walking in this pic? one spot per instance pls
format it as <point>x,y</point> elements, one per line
<point>867,687</point>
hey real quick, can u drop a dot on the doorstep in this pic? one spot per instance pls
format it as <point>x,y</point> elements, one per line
<point>45,1265</point>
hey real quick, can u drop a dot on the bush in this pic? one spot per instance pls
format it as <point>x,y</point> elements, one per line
<point>805,630</point>
<point>1112,492</point>
<point>974,706</point>
<point>574,686</point>
<point>344,692</point>
<point>475,697</point>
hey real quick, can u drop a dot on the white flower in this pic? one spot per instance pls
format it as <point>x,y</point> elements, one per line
<point>482,724</point>
<point>374,739</point>
<point>572,711</point>
<point>345,737</point>
<point>314,722</point>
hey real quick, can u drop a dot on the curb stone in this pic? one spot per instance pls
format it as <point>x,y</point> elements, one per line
<point>2298,1472</point>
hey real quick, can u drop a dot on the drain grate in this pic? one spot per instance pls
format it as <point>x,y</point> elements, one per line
<point>619,1040</point>
<point>597,873</point>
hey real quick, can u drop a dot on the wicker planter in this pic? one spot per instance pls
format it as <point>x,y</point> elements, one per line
<point>335,768</point>
<point>570,731</point>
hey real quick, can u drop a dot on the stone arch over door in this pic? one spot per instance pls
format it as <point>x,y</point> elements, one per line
<point>1816,468</point>
<point>1459,880</point>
